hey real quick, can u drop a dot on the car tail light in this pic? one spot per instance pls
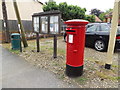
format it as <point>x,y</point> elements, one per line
<point>118,37</point>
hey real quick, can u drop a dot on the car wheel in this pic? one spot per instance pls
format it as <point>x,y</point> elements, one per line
<point>100,45</point>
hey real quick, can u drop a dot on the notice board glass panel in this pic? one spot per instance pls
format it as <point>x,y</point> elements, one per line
<point>54,27</point>
<point>44,24</point>
<point>36,24</point>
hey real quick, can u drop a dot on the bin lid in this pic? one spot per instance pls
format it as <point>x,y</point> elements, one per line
<point>13,34</point>
<point>77,22</point>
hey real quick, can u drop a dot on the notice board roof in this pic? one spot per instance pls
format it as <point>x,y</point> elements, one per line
<point>47,13</point>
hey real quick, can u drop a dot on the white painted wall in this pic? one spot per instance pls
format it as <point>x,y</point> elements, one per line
<point>26,9</point>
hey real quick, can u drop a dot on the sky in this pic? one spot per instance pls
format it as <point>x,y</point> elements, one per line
<point>89,4</point>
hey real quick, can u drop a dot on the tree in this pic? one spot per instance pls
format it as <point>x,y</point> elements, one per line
<point>50,6</point>
<point>109,10</point>
<point>51,0</point>
<point>96,12</point>
<point>71,11</point>
<point>63,7</point>
<point>68,11</point>
<point>102,15</point>
<point>90,18</point>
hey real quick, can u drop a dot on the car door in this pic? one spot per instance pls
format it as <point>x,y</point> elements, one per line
<point>91,34</point>
<point>103,33</point>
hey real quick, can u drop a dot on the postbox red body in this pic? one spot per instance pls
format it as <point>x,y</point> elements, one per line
<point>75,47</point>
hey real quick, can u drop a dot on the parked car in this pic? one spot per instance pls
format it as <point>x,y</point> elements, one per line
<point>97,36</point>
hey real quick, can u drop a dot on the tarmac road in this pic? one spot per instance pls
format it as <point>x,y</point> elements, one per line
<point>17,73</point>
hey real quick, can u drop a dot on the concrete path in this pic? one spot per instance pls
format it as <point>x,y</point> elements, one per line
<point>0,67</point>
<point>17,73</point>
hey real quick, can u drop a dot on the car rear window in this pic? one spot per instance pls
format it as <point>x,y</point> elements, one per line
<point>119,29</point>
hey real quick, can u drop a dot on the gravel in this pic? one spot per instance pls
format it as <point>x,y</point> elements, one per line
<point>94,76</point>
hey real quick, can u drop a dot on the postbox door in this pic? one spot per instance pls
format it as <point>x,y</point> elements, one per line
<point>75,45</point>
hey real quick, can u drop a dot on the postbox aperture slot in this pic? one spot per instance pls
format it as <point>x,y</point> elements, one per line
<point>70,31</point>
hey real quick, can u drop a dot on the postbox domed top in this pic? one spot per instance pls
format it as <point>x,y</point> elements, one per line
<point>77,22</point>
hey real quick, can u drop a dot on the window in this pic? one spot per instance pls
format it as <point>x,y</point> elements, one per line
<point>44,24</point>
<point>54,28</point>
<point>98,28</point>
<point>119,28</point>
<point>36,24</point>
<point>105,27</point>
<point>91,28</point>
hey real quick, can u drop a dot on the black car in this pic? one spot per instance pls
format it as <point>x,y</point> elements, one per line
<point>97,36</point>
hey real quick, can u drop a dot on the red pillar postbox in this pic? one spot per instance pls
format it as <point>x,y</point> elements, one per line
<point>75,47</point>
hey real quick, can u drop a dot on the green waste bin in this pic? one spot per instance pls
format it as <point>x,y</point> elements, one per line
<point>15,41</point>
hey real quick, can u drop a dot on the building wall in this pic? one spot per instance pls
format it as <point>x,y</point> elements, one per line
<point>26,10</point>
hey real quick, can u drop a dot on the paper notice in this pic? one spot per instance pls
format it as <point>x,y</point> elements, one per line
<point>70,38</point>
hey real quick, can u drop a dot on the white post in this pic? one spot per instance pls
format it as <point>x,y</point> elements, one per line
<point>118,10</point>
<point>112,37</point>
<point>1,52</point>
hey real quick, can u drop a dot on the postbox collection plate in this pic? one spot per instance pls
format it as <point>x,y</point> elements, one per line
<point>70,38</point>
